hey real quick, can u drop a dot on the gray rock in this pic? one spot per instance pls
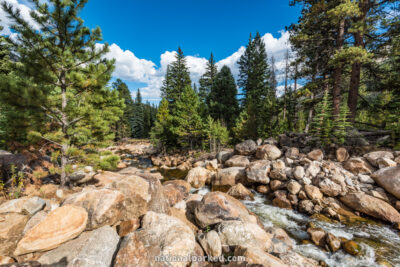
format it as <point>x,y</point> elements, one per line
<point>246,148</point>
<point>33,205</point>
<point>94,248</point>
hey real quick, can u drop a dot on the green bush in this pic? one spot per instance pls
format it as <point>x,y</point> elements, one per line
<point>109,163</point>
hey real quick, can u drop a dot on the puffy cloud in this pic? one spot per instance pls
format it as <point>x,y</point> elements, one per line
<point>24,11</point>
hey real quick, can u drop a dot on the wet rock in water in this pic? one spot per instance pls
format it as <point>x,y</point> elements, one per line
<point>104,206</point>
<point>224,155</point>
<point>330,188</point>
<point>257,257</point>
<point>373,157</point>
<point>160,235</point>
<point>268,152</point>
<point>211,243</point>
<point>371,206</point>
<point>316,155</point>
<point>230,176</point>
<point>93,248</point>
<point>281,200</point>
<point>313,192</point>
<point>11,229</point>
<point>60,225</point>
<point>293,187</point>
<point>257,172</point>
<point>317,236</point>
<point>342,154</point>
<point>299,172</point>
<point>239,233</point>
<point>358,166</point>
<point>389,179</point>
<point>246,148</point>
<point>333,242</point>
<point>216,207</point>
<point>352,248</point>
<point>239,191</point>
<point>237,161</point>
<point>197,177</point>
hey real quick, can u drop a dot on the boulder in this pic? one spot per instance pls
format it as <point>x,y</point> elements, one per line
<point>224,155</point>
<point>257,257</point>
<point>197,177</point>
<point>329,188</point>
<point>352,248</point>
<point>373,157</point>
<point>24,205</point>
<point>60,225</point>
<point>237,161</point>
<point>316,155</point>
<point>342,154</point>
<point>211,165</point>
<point>230,176</point>
<point>105,178</point>
<point>216,207</point>
<point>293,187</point>
<point>93,248</point>
<point>313,169</point>
<point>263,189</point>
<point>246,148</point>
<point>332,242</point>
<point>365,179</point>
<point>358,166</point>
<point>11,229</point>
<point>239,233</point>
<point>35,219</point>
<point>371,206</point>
<point>281,200</point>
<point>385,162</point>
<point>278,174</point>
<point>299,172</point>
<point>257,172</point>
<point>211,243</point>
<point>313,192</point>
<point>239,191</point>
<point>125,227</point>
<point>306,206</point>
<point>160,235</point>
<point>182,185</point>
<point>278,165</point>
<point>268,152</point>
<point>317,236</point>
<point>292,153</point>
<point>5,259</point>
<point>104,206</point>
<point>295,259</point>
<point>33,205</point>
<point>276,185</point>
<point>174,194</point>
<point>389,179</point>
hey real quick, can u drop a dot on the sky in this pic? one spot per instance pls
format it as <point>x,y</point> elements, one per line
<point>144,34</point>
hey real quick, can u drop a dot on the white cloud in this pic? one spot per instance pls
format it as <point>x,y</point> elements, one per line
<point>25,14</point>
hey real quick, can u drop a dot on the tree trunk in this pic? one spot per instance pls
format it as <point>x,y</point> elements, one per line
<point>356,67</point>
<point>337,80</point>
<point>310,116</point>
<point>286,85</point>
<point>65,125</point>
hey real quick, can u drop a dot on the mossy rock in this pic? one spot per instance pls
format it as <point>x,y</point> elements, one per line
<point>352,248</point>
<point>383,262</point>
<point>322,218</point>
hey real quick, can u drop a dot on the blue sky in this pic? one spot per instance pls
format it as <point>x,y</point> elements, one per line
<point>143,34</point>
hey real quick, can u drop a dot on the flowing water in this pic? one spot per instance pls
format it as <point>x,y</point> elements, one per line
<point>378,241</point>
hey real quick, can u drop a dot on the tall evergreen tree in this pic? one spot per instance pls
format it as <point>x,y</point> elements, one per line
<point>63,74</point>
<point>138,117</point>
<point>176,79</point>
<point>206,82</point>
<point>259,96</point>
<point>223,104</point>
<point>124,126</point>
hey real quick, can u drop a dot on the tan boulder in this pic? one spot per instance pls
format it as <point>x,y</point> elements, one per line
<point>389,179</point>
<point>230,176</point>
<point>371,206</point>
<point>160,235</point>
<point>268,152</point>
<point>216,207</point>
<point>385,162</point>
<point>358,166</point>
<point>373,157</point>
<point>211,243</point>
<point>11,229</point>
<point>294,187</point>
<point>174,193</point>
<point>313,192</point>
<point>60,225</point>
<point>316,154</point>
<point>104,206</point>
<point>197,177</point>
<point>125,227</point>
<point>257,171</point>
<point>105,178</point>
<point>317,236</point>
<point>258,257</point>
<point>342,154</point>
<point>239,191</point>
<point>329,188</point>
<point>6,260</point>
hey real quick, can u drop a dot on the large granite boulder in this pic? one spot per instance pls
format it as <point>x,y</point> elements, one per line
<point>246,148</point>
<point>268,152</point>
<point>257,172</point>
<point>11,230</point>
<point>389,178</point>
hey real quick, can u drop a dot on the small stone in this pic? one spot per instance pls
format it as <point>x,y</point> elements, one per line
<point>316,155</point>
<point>385,162</point>
<point>211,243</point>
<point>317,236</point>
<point>125,227</point>
<point>306,206</point>
<point>313,192</point>
<point>292,153</point>
<point>60,193</point>
<point>278,174</point>
<point>240,192</point>
<point>246,148</point>
<point>268,152</point>
<point>342,154</point>
<point>4,259</point>
<point>352,248</point>
<point>302,195</point>
<point>294,187</point>
<point>263,189</point>
<point>299,172</point>
<point>330,188</point>
<point>278,165</point>
<point>333,242</point>
<point>365,179</point>
<point>275,185</point>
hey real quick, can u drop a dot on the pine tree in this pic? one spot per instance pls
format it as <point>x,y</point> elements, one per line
<point>217,134</point>
<point>223,104</point>
<point>176,79</point>
<point>186,121</point>
<point>124,126</point>
<point>341,125</point>
<point>63,75</point>
<point>160,133</point>
<point>259,96</point>
<point>206,83</point>
<point>322,124</point>
<point>138,117</point>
